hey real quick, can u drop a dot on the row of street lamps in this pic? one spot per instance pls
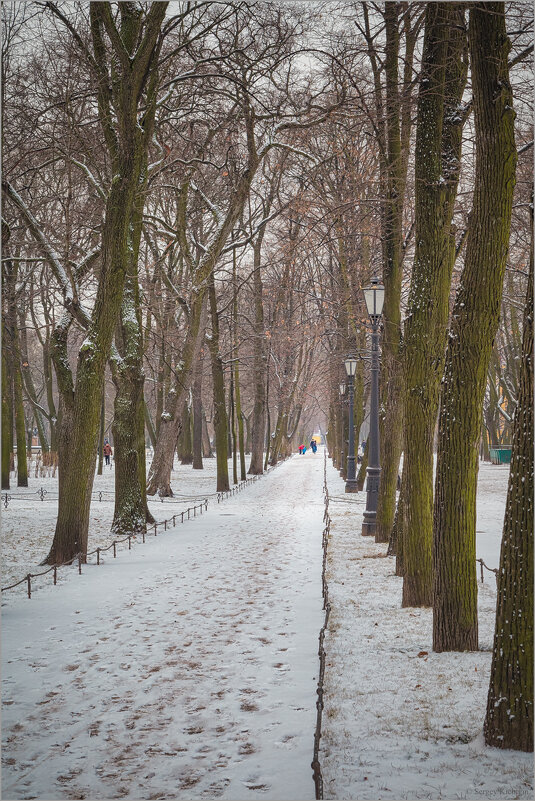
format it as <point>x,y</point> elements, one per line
<point>374,297</point>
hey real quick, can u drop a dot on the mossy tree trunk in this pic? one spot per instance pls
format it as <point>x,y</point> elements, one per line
<point>186,441</point>
<point>220,421</point>
<point>394,119</point>
<point>437,165</point>
<point>11,333</point>
<point>236,373</point>
<point>258,425</point>
<point>122,89</point>
<point>131,511</point>
<point>509,718</point>
<point>197,411</point>
<point>7,418</point>
<point>474,324</point>
<point>100,464</point>
<point>233,440</point>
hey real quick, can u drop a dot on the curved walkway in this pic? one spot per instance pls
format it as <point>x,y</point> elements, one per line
<point>186,668</point>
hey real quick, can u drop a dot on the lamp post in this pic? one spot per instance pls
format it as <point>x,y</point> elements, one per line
<point>351,481</point>
<point>374,296</point>
<point>342,427</point>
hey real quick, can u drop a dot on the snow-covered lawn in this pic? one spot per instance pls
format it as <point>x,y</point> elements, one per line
<point>28,522</point>
<point>186,668</point>
<point>401,721</point>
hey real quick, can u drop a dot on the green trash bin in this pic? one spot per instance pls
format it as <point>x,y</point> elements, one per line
<point>500,455</point>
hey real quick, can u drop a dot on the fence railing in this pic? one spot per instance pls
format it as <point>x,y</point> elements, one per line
<point>186,514</point>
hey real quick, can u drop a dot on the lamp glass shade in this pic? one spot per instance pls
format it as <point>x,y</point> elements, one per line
<point>351,366</point>
<point>342,388</point>
<point>374,296</point>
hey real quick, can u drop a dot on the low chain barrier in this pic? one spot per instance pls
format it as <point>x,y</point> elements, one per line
<point>483,566</point>
<point>99,495</point>
<point>316,766</point>
<point>187,514</point>
<point>490,569</point>
<point>46,495</point>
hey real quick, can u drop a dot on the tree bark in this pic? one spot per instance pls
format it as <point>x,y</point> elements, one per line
<point>256,466</point>
<point>149,425</point>
<point>100,465</point>
<point>7,420</point>
<point>127,142</point>
<point>236,371</point>
<point>509,717</point>
<point>473,328</point>
<point>185,439</point>
<point>197,413</point>
<point>218,382</point>
<point>206,444</point>
<point>398,125</point>
<point>12,336</point>
<point>437,166</point>
<point>131,511</point>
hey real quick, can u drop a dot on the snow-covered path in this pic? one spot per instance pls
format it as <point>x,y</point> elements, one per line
<point>186,668</point>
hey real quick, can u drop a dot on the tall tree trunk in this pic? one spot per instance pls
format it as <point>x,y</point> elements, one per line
<point>232,428</point>
<point>197,413</point>
<point>15,362</point>
<point>437,165</point>
<point>7,419</point>
<point>236,371</point>
<point>256,466</point>
<point>129,413</point>
<point>159,479</point>
<point>280,430</point>
<point>30,388</point>
<point>206,444</point>
<point>268,417</point>
<point>149,425</point>
<point>218,383</point>
<point>49,383</point>
<point>186,442</point>
<point>127,141</point>
<point>100,465</point>
<point>473,328</point>
<point>397,123</point>
<point>509,718</point>
<point>163,377</point>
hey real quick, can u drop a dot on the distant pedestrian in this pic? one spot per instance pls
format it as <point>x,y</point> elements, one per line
<point>313,445</point>
<point>107,452</point>
<point>301,449</point>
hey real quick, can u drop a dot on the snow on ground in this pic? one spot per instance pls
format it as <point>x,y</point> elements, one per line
<point>186,668</point>
<point>28,522</point>
<point>401,722</point>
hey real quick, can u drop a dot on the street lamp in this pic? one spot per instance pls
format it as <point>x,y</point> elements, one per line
<point>342,428</point>
<point>351,481</point>
<point>374,296</point>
